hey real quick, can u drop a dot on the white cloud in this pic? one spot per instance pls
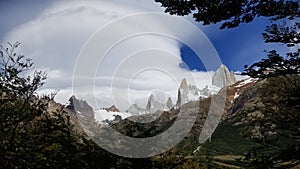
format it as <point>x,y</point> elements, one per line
<point>143,63</point>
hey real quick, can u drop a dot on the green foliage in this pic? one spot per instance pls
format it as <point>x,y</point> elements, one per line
<point>18,105</point>
<point>227,139</point>
<point>175,159</point>
<point>12,73</point>
<point>232,12</point>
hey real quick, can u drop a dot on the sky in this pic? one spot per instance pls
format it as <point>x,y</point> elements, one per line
<point>56,35</point>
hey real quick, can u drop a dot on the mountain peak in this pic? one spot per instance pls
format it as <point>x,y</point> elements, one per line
<point>150,102</point>
<point>186,93</point>
<point>156,101</point>
<point>223,77</point>
<point>79,105</point>
<point>222,66</point>
<point>169,103</point>
<point>83,111</point>
<point>183,84</point>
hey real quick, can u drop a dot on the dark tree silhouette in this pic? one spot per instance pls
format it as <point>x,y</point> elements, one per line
<point>232,13</point>
<point>275,64</point>
<point>280,33</point>
<point>31,137</point>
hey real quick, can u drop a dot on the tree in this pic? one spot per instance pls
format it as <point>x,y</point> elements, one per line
<point>17,104</point>
<point>279,127</point>
<point>232,13</point>
<point>30,136</point>
<point>275,64</point>
<point>280,33</point>
<point>13,68</point>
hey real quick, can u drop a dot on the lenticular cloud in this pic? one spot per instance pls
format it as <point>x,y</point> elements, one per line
<point>54,40</point>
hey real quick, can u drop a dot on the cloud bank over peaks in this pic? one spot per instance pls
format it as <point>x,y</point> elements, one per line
<point>54,40</point>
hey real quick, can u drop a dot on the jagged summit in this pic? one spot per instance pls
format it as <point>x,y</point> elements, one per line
<point>183,84</point>
<point>188,92</point>
<point>158,100</point>
<point>150,102</point>
<point>169,103</point>
<point>83,111</point>
<point>80,106</point>
<point>135,109</point>
<point>223,77</point>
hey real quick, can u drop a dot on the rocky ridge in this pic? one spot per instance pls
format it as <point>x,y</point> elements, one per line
<point>158,101</point>
<point>220,104</point>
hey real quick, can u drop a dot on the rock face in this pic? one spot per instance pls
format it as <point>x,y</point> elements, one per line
<point>158,100</point>
<point>117,118</point>
<point>223,77</point>
<point>134,109</point>
<point>84,112</point>
<point>183,84</point>
<point>67,113</point>
<point>169,104</point>
<point>188,92</point>
<point>81,107</point>
<point>112,108</point>
<point>200,108</point>
<point>153,105</point>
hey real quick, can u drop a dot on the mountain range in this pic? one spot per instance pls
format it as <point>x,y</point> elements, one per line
<point>160,101</point>
<point>225,142</point>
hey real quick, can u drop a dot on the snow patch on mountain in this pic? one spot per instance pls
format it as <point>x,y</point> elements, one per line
<point>246,82</point>
<point>236,95</point>
<point>102,115</point>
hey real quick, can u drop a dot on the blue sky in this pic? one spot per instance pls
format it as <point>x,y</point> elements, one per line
<point>236,46</point>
